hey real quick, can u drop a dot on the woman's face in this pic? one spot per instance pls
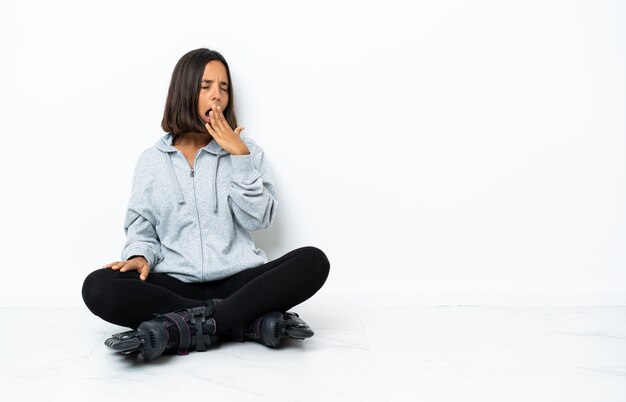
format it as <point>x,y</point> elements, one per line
<point>213,89</point>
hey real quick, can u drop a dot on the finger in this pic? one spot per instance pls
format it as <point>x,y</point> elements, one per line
<point>221,120</point>
<point>238,130</point>
<point>210,129</point>
<point>215,123</point>
<point>143,273</point>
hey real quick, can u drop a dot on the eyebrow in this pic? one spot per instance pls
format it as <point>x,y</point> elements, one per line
<point>210,81</point>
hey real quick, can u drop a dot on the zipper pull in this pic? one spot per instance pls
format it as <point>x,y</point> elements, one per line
<point>191,173</point>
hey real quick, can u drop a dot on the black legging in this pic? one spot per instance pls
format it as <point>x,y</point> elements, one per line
<point>122,298</point>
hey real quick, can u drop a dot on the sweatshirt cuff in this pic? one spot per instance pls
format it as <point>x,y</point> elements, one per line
<point>243,168</point>
<point>138,250</point>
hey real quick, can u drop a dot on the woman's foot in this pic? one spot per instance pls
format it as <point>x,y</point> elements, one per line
<point>271,328</point>
<point>178,332</point>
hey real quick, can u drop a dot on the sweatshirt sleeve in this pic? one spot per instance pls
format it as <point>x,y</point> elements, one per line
<point>252,194</point>
<point>140,222</point>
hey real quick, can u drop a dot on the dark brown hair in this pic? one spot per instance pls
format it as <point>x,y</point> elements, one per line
<point>181,108</point>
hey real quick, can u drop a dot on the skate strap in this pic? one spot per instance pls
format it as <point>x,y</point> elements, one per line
<point>199,316</point>
<point>184,333</point>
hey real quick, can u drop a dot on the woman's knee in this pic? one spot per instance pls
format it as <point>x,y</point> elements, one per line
<point>318,263</point>
<point>94,287</point>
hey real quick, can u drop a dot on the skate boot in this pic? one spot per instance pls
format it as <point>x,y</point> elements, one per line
<point>271,328</point>
<point>176,332</point>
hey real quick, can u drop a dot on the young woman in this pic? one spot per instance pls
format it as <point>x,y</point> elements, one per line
<point>190,273</point>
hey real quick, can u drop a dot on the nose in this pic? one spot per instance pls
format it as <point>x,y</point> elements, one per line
<point>215,94</point>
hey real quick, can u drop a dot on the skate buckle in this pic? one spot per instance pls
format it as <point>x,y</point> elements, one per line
<point>197,313</point>
<point>197,318</point>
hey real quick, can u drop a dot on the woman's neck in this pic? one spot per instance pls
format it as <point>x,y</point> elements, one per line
<point>196,140</point>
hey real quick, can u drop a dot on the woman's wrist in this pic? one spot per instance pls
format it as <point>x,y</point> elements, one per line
<point>241,150</point>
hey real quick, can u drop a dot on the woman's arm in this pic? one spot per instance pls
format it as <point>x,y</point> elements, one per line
<point>140,220</point>
<point>252,195</point>
<point>141,239</point>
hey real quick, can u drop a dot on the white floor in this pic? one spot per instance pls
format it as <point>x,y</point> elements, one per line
<point>359,353</point>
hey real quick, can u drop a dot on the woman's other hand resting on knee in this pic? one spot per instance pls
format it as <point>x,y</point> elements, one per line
<point>136,263</point>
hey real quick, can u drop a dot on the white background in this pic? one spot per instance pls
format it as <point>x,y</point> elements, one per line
<point>451,149</point>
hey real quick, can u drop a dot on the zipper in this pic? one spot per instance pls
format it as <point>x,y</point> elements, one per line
<point>193,186</point>
<point>195,201</point>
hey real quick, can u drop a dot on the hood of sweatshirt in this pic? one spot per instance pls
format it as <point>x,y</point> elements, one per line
<point>164,144</point>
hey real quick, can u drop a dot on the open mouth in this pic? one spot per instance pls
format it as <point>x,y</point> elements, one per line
<point>206,117</point>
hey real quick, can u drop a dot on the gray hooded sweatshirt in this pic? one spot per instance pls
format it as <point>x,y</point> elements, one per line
<point>194,223</point>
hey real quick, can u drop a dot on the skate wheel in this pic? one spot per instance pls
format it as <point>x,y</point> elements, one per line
<point>123,345</point>
<point>299,333</point>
